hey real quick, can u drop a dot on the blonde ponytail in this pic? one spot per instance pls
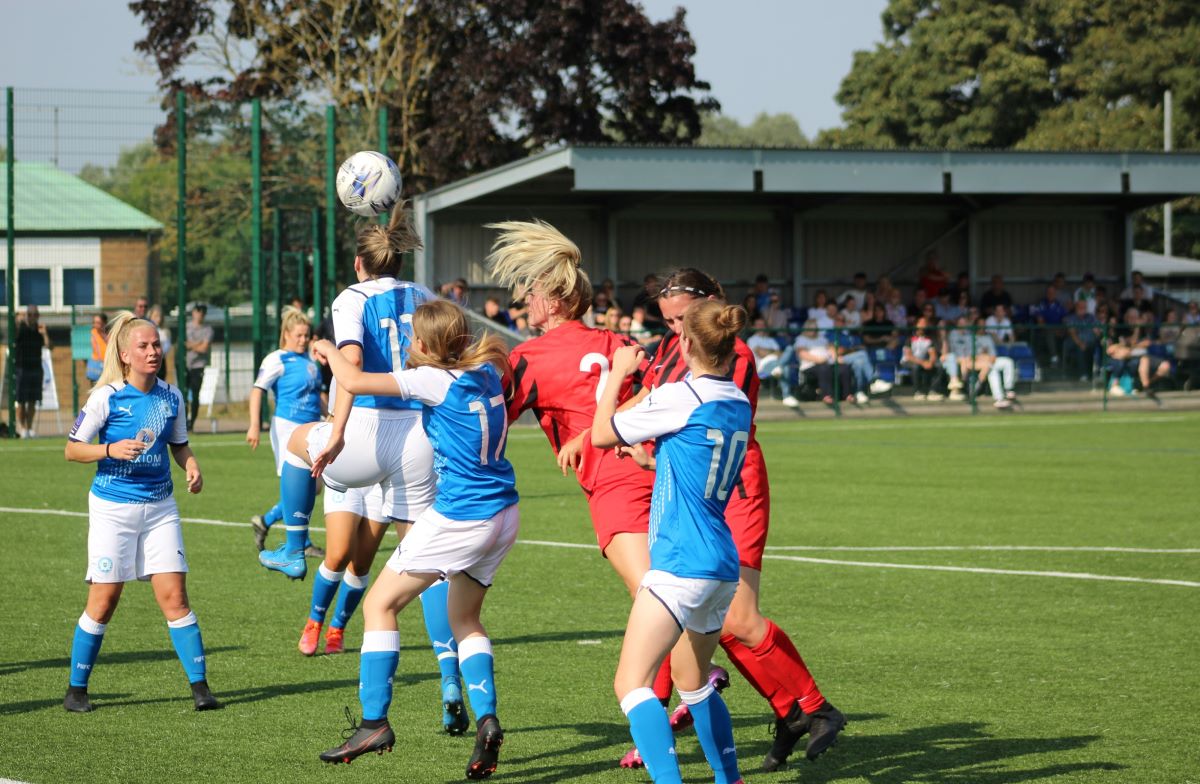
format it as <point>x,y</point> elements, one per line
<point>530,254</point>
<point>382,248</point>
<point>119,329</point>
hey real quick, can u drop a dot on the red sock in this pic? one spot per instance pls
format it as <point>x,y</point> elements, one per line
<point>777,655</point>
<point>758,676</point>
<point>662,681</point>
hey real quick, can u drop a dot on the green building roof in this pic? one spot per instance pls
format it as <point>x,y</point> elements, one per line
<point>50,200</point>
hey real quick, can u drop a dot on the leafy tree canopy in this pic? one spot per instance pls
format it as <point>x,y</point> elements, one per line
<point>469,85</point>
<point>766,130</point>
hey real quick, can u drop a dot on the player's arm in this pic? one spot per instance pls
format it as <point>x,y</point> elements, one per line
<point>625,361</point>
<point>83,452</point>
<point>186,460</point>
<point>350,376</point>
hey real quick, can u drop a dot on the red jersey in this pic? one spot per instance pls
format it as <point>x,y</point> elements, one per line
<point>668,365</point>
<point>559,375</point>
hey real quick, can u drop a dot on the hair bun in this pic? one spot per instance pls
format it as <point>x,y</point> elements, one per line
<point>732,318</point>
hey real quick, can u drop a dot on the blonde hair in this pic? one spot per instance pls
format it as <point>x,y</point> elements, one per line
<point>712,328</point>
<point>289,318</point>
<point>442,327</point>
<point>382,248</point>
<point>119,329</point>
<point>534,253</point>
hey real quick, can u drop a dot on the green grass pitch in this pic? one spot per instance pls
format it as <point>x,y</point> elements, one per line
<point>1006,668</point>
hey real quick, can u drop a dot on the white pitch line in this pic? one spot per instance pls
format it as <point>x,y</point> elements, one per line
<point>16,450</point>
<point>982,570</point>
<point>961,423</point>
<point>989,548</point>
<point>795,558</point>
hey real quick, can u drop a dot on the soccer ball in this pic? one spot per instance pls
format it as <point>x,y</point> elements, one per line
<point>368,183</point>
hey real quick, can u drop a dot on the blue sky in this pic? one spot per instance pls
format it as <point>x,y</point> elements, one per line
<point>759,55</point>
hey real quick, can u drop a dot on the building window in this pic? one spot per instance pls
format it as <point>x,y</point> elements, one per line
<point>79,287</point>
<point>33,285</point>
<point>3,289</point>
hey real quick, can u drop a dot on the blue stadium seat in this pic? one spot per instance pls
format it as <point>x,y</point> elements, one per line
<point>1022,356</point>
<point>887,364</point>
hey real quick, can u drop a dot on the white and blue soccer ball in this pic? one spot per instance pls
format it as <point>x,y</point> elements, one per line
<point>369,183</point>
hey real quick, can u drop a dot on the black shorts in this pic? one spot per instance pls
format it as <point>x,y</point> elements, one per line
<point>29,385</point>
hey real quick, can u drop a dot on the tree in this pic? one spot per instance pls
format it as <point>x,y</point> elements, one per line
<point>767,130</point>
<point>468,85</point>
<point>1030,74</point>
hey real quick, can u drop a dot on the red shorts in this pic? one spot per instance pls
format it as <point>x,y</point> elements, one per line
<point>620,509</point>
<point>749,510</point>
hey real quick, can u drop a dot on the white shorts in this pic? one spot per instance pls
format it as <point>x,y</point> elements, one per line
<point>696,604</point>
<point>281,433</point>
<point>437,544</point>
<point>363,501</point>
<point>385,448</point>
<point>133,541</point>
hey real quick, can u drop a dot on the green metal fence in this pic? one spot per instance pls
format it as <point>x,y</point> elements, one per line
<point>111,196</point>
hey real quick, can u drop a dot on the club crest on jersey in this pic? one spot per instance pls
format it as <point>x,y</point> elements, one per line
<point>104,565</point>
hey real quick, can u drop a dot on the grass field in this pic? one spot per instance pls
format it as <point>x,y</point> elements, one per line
<point>1008,667</point>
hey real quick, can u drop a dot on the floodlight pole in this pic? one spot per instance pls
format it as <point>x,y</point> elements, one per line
<point>256,260</point>
<point>318,279</point>
<point>330,202</point>
<point>181,239</point>
<point>10,236</point>
<point>1167,212</point>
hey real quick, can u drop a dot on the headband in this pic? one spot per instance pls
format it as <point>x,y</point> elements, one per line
<point>683,289</point>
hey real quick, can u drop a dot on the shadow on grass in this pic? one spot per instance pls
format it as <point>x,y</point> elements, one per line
<point>106,659</point>
<point>938,754</point>
<point>567,635</point>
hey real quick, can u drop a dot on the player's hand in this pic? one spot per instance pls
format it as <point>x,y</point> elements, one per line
<point>195,482</point>
<point>322,349</point>
<point>571,454</point>
<point>252,437</point>
<point>626,360</point>
<point>638,454</point>
<point>126,449</point>
<point>332,449</point>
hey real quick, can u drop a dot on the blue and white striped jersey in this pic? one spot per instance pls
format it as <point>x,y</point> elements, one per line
<point>119,411</point>
<point>377,316</point>
<point>467,423</point>
<point>296,380</point>
<point>701,427</point>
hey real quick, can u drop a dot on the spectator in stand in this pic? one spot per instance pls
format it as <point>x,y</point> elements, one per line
<point>750,305</point>
<point>1137,300</point>
<point>612,319</point>
<point>945,310</point>
<point>493,311</point>
<point>647,300</point>
<point>521,325</point>
<point>1049,313</point>
<point>1136,281</point>
<point>824,315</point>
<point>955,346</point>
<point>31,338</point>
<point>609,288</point>
<point>624,324</point>
<point>917,309</point>
<point>999,325</point>
<point>1192,316</point>
<point>1079,348</point>
<point>811,351</point>
<point>932,277</point>
<point>140,307</point>
<point>929,313</point>
<point>879,331</point>
<point>1087,292</point>
<point>766,350</point>
<point>868,306</point>
<point>996,295</point>
<point>850,315</point>
<point>921,355</point>
<point>858,291</point>
<point>1001,371</point>
<point>457,292</point>
<point>761,292</point>
<point>1168,331</point>
<point>852,353</point>
<point>820,300</point>
<point>95,364</point>
<point>637,327</point>
<point>1060,286</point>
<point>155,316</point>
<point>884,289</point>
<point>962,286</point>
<point>199,354</point>
<point>601,301</point>
<point>1127,346</point>
<point>777,316</point>
<point>896,312</point>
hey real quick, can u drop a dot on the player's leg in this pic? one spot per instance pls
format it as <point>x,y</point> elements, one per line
<point>89,636</point>
<point>367,538</point>
<point>649,635</point>
<point>341,526</point>
<point>690,662</point>
<point>379,657</point>
<point>170,591</point>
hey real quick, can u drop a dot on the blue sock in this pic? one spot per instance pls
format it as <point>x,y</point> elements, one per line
<point>324,587</point>
<point>376,668</point>
<point>475,660</point>
<point>437,623</point>
<point>714,728</point>
<point>353,588</point>
<point>651,731</point>
<point>84,649</point>
<point>297,491</point>
<point>273,515</point>
<point>185,636</point>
